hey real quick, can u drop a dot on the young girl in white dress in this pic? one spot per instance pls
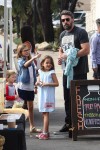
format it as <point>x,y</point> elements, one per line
<point>46,82</point>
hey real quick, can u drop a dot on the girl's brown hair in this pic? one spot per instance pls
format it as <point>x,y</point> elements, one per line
<point>20,48</point>
<point>51,60</point>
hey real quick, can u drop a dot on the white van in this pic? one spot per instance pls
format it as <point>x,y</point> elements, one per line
<point>79,17</point>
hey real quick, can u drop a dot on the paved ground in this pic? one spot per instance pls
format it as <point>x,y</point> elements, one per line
<point>58,142</point>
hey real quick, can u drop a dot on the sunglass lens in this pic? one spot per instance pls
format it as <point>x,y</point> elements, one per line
<point>67,19</point>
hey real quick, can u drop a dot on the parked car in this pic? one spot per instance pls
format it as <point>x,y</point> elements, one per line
<point>56,20</point>
<point>79,17</point>
<point>56,23</point>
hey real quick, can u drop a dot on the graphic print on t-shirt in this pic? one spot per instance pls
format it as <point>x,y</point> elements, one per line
<point>67,42</point>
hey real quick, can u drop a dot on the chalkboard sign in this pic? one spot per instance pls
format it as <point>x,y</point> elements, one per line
<point>85,107</point>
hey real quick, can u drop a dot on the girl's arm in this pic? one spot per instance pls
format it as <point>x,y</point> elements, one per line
<point>38,81</point>
<point>54,83</point>
<point>30,61</point>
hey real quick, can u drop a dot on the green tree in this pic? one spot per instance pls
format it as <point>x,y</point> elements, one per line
<point>39,12</point>
<point>22,12</point>
<point>43,8</point>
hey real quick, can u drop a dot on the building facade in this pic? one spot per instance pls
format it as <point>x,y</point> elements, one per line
<point>92,9</point>
<point>92,15</point>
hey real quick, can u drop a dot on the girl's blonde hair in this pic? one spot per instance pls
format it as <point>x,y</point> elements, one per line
<point>20,48</point>
<point>9,73</point>
<point>51,60</point>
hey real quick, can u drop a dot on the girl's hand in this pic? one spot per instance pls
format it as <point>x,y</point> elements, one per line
<point>37,83</point>
<point>43,84</point>
<point>40,83</point>
<point>37,56</point>
<point>16,96</point>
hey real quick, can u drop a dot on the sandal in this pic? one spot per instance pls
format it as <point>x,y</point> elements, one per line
<point>34,130</point>
<point>43,136</point>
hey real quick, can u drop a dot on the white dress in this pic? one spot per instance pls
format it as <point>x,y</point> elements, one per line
<point>46,94</point>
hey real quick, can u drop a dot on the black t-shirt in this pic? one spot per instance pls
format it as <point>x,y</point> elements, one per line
<point>75,38</point>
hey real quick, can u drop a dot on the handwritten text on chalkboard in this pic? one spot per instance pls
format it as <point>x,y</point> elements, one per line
<point>88,108</point>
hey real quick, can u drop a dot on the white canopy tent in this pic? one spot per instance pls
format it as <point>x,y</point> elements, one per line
<point>7,17</point>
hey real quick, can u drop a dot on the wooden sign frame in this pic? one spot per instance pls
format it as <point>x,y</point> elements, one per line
<point>76,115</point>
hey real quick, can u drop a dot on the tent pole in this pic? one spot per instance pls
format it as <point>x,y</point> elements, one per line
<point>5,35</point>
<point>11,37</point>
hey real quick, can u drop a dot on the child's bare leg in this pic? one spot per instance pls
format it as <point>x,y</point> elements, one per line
<point>30,106</point>
<point>45,122</point>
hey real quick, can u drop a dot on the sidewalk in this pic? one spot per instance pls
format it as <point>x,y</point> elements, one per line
<point>62,141</point>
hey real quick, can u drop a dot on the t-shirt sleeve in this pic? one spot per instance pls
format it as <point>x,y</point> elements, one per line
<point>61,36</point>
<point>39,71</point>
<point>83,36</point>
<point>52,72</point>
<point>9,97</point>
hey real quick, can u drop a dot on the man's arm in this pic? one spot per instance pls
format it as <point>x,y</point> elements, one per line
<point>85,50</point>
<point>93,48</point>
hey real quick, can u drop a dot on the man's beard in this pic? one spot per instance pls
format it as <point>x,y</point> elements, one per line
<point>67,27</point>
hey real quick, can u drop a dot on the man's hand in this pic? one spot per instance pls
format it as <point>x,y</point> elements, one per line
<point>59,61</point>
<point>62,55</point>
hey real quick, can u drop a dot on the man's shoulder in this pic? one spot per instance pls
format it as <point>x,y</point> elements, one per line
<point>62,33</point>
<point>79,29</point>
<point>94,35</point>
<point>94,38</point>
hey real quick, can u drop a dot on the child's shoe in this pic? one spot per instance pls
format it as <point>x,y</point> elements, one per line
<point>43,136</point>
<point>35,130</point>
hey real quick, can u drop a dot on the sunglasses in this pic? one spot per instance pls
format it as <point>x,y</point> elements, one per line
<point>67,19</point>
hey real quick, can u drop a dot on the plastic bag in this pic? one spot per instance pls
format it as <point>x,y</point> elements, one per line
<point>18,103</point>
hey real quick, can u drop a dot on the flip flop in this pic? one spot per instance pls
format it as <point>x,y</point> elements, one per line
<point>34,130</point>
